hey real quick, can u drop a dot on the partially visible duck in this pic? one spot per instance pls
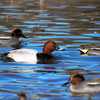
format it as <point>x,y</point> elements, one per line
<point>80,85</point>
<point>6,40</point>
<point>29,55</point>
<point>22,96</point>
<point>85,49</point>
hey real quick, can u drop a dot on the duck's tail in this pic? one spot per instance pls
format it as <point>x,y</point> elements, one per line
<point>83,51</point>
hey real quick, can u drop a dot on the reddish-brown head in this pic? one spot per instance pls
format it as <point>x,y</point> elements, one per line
<point>76,78</point>
<point>49,47</point>
<point>17,32</point>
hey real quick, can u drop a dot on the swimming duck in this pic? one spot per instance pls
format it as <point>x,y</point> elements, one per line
<point>6,40</point>
<point>29,55</point>
<point>22,96</point>
<point>80,85</point>
<point>94,50</point>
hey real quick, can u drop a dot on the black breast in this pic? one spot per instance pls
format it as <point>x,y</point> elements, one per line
<point>43,57</point>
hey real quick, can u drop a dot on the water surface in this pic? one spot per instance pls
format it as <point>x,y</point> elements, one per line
<point>70,24</point>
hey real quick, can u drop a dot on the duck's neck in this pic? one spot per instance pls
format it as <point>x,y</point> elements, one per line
<point>46,51</point>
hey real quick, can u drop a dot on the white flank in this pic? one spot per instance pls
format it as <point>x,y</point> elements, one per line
<point>23,55</point>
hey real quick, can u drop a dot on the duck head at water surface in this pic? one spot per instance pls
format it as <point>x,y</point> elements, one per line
<point>29,55</point>
<point>80,85</point>
<point>22,96</point>
<point>17,32</point>
<point>7,40</point>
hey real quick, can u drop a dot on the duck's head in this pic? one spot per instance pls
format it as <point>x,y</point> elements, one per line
<point>75,78</point>
<point>22,96</point>
<point>17,32</point>
<point>49,47</point>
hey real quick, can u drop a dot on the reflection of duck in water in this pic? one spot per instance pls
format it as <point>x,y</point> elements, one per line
<point>6,40</point>
<point>29,55</point>
<point>80,85</point>
<point>22,96</point>
<point>94,50</point>
<point>47,70</point>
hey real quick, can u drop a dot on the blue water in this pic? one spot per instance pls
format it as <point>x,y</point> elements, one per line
<point>70,24</point>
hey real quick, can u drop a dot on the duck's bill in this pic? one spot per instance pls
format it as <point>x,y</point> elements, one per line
<point>66,83</point>
<point>57,47</point>
<point>23,36</point>
<point>61,49</point>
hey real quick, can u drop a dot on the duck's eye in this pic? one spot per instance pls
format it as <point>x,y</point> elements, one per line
<point>52,43</point>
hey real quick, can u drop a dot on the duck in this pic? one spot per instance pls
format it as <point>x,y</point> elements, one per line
<point>82,85</point>
<point>22,96</point>
<point>89,50</point>
<point>30,55</point>
<point>7,40</point>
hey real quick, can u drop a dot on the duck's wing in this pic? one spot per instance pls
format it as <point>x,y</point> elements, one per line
<point>5,37</point>
<point>93,82</point>
<point>98,49</point>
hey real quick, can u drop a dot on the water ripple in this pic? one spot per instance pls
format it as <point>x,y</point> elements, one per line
<point>85,6</point>
<point>14,13</point>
